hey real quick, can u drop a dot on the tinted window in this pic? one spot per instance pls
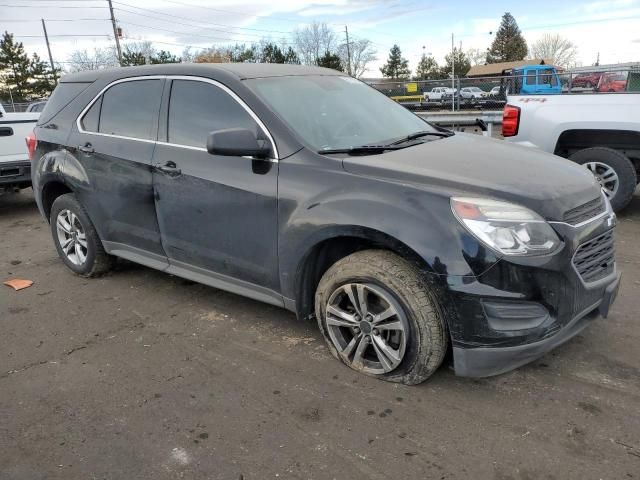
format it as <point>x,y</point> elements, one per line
<point>60,98</point>
<point>91,119</point>
<point>131,109</point>
<point>198,108</point>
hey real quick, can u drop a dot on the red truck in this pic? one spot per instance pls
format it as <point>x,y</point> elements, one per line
<point>613,82</point>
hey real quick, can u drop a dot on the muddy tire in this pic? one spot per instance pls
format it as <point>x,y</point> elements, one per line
<point>377,299</point>
<point>609,164</point>
<point>76,239</point>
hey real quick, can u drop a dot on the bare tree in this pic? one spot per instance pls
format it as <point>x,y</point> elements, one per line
<point>92,60</point>
<point>476,56</point>
<point>559,50</point>
<point>362,54</point>
<point>313,41</point>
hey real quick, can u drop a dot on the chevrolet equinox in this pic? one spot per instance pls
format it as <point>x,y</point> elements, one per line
<point>305,188</point>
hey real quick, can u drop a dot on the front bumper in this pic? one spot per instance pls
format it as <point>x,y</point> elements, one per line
<point>488,361</point>
<point>522,307</point>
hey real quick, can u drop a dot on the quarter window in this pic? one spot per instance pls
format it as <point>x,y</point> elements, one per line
<point>198,108</point>
<point>129,109</point>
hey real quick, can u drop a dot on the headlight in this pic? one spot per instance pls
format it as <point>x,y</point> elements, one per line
<point>508,228</point>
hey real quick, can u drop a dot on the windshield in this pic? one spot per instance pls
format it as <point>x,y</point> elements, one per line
<point>334,112</point>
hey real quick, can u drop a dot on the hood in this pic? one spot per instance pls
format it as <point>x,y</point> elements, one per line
<point>466,164</point>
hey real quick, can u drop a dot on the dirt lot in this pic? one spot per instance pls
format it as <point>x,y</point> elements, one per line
<point>140,375</point>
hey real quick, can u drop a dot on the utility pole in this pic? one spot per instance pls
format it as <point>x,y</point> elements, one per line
<point>346,32</point>
<point>46,39</point>
<point>115,32</point>
<point>453,75</point>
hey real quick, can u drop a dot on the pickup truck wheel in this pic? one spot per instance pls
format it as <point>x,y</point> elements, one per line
<point>76,239</point>
<point>379,316</point>
<point>613,170</point>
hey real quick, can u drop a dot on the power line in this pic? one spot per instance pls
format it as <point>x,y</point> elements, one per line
<point>40,6</point>
<point>226,39</point>
<point>173,22</point>
<point>193,19</point>
<point>63,35</point>
<point>20,20</point>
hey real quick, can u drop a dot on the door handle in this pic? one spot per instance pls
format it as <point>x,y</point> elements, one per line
<point>86,148</point>
<point>170,169</point>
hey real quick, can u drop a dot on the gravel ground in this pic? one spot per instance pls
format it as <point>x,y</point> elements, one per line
<point>141,375</point>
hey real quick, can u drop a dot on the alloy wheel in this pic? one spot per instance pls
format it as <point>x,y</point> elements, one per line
<point>368,327</point>
<point>606,176</point>
<point>72,237</point>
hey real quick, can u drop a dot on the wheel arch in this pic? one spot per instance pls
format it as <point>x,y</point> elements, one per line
<point>626,142</point>
<point>339,244</point>
<point>49,192</point>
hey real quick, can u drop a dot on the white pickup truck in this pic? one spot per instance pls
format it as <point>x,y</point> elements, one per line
<point>600,131</point>
<point>15,167</point>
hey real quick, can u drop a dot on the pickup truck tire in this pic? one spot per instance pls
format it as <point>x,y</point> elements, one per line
<point>396,332</point>
<point>619,163</point>
<point>76,239</point>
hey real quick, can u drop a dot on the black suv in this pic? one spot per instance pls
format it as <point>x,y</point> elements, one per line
<point>305,188</point>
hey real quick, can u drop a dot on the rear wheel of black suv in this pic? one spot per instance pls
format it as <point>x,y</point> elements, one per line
<point>380,317</point>
<point>76,238</point>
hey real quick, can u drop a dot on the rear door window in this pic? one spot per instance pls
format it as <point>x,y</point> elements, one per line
<point>198,108</point>
<point>128,109</point>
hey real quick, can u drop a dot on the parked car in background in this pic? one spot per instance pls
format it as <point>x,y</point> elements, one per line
<point>36,106</point>
<point>586,80</point>
<point>613,82</point>
<point>495,91</point>
<point>15,168</point>
<point>439,94</point>
<point>600,132</point>
<point>472,93</point>
<point>531,79</point>
<point>304,188</point>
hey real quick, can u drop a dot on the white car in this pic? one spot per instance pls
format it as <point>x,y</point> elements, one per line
<point>601,132</point>
<point>472,93</point>
<point>438,94</point>
<point>15,167</point>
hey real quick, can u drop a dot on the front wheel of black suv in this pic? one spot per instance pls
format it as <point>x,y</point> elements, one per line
<point>613,170</point>
<point>379,316</point>
<point>76,239</point>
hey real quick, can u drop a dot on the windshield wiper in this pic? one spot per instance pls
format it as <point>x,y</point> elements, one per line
<point>362,149</point>
<point>426,133</point>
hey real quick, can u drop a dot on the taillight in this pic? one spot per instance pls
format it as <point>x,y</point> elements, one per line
<point>31,144</point>
<point>510,120</point>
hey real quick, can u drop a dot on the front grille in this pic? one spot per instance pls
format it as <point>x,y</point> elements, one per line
<point>594,259</point>
<point>585,211</point>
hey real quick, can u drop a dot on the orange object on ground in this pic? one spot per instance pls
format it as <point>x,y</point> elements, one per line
<point>18,284</point>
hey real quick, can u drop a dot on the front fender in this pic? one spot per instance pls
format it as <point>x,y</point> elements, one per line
<point>357,206</point>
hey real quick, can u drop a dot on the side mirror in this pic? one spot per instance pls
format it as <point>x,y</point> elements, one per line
<point>237,142</point>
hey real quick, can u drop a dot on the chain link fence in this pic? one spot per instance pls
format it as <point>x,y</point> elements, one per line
<point>489,93</point>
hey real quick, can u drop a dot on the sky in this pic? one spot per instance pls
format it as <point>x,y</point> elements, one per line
<point>608,28</point>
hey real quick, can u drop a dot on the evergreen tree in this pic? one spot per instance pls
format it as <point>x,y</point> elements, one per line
<point>28,78</point>
<point>164,57</point>
<point>509,45</point>
<point>459,60</point>
<point>427,69</point>
<point>396,67</point>
<point>331,60</point>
